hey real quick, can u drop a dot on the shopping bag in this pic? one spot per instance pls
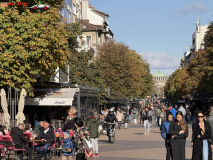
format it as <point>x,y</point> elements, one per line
<point>88,154</point>
<point>87,144</point>
<point>160,121</point>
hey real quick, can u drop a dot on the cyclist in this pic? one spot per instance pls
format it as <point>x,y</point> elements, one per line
<point>110,118</point>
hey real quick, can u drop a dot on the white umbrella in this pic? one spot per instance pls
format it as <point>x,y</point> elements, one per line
<point>20,115</point>
<point>6,116</point>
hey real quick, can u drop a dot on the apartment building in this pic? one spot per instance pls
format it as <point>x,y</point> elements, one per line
<point>197,40</point>
<point>95,27</point>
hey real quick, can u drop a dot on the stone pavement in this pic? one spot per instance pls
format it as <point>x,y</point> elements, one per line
<point>132,144</point>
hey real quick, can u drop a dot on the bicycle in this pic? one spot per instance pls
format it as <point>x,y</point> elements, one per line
<point>111,133</point>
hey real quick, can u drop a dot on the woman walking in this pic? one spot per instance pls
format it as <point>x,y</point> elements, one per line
<point>119,117</point>
<point>179,132</point>
<point>135,115</point>
<point>79,134</point>
<point>162,116</point>
<point>201,133</point>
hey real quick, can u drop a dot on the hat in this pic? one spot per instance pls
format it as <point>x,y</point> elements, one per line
<point>66,134</point>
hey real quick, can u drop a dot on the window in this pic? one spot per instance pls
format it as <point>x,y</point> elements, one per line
<point>89,40</point>
<point>101,41</point>
<point>74,9</point>
<point>69,16</point>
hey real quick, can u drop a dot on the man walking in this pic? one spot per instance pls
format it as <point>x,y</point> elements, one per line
<point>166,136</point>
<point>129,112</point>
<point>209,119</point>
<point>157,113</point>
<point>147,116</point>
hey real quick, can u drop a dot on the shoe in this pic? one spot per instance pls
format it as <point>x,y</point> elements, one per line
<point>92,155</point>
<point>96,155</point>
<point>119,128</point>
<point>144,133</point>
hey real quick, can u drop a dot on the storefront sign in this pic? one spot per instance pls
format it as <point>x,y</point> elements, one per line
<point>52,97</point>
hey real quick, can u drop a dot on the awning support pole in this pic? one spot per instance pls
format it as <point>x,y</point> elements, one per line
<point>86,109</point>
<point>78,104</point>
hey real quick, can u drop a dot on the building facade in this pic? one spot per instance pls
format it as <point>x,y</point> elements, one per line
<point>95,27</point>
<point>159,80</point>
<point>197,40</point>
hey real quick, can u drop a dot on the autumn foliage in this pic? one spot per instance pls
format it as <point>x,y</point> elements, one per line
<point>197,76</point>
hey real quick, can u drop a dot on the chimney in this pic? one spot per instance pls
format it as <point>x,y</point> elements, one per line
<point>90,6</point>
<point>93,7</point>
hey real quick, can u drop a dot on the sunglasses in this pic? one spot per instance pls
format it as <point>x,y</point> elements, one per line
<point>199,116</point>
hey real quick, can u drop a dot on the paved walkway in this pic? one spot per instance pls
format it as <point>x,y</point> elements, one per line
<point>131,144</point>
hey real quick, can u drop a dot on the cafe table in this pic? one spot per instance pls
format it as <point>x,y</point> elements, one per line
<point>30,147</point>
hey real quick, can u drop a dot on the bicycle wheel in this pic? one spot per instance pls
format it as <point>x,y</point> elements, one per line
<point>112,135</point>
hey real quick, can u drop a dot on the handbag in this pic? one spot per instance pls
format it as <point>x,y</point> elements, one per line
<point>87,144</point>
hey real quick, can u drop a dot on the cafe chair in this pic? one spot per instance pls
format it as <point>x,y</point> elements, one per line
<point>10,146</point>
<point>2,145</point>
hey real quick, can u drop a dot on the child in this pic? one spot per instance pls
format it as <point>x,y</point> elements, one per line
<point>126,122</point>
<point>67,147</point>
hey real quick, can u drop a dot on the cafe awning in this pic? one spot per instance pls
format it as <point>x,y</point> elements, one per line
<point>52,97</point>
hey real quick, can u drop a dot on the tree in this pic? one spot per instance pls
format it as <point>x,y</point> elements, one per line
<point>31,44</point>
<point>122,70</point>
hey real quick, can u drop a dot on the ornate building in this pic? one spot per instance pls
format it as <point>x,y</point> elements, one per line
<point>159,80</point>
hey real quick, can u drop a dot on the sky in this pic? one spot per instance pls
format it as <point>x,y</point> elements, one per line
<point>159,30</point>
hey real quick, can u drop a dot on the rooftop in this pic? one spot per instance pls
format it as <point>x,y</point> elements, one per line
<point>159,74</point>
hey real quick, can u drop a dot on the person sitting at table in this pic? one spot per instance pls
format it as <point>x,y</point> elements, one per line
<point>70,125</point>
<point>5,130</point>
<point>47,137</point>
<point>27,127</point>
<point>39,128</point>
<point>18,137</point>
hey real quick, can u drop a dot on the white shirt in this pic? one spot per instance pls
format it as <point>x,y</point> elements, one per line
<point>45,131</point>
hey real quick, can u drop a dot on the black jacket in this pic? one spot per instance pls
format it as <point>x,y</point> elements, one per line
<point>198,142</point>
<point>49,136</point>
<point>69,125</point>
<point>18,137</point>
<point>111,118</point>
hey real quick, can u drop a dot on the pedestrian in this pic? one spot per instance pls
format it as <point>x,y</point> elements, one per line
<point>151,110</point>
<point>173,112</point>
<point>157,113</point>
<point>141,115</point>
<point>162,116</point>
<point>209,119</point>
<point>129,112</point>
<point>147,115</point>
<point>119,116</point>
<point>166,136</point>
<point>39,128</point>
<point>135,115</point>
<point>201,133</point>
<point>67,147</point>
<point>188,115</point>
<point>182,110</point>
<point>178,131</point>
<point>126,122</point>
<point>92,127</point>
<point>80,133</point>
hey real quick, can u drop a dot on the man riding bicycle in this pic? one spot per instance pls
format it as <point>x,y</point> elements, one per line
<point>110,118</point>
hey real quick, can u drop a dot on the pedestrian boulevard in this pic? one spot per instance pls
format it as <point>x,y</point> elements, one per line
<point>132,144</point>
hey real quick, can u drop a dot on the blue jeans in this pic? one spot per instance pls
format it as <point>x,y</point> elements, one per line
<point>44,151</point>
<point>129,118</point>
<point>119,123</point>
<point>205,150</point>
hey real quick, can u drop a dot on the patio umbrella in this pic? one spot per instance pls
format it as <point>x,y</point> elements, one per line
<point>20,115</point>
<point>6,116</point>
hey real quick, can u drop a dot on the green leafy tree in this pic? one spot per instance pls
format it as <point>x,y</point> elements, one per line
<point>31,44</point>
